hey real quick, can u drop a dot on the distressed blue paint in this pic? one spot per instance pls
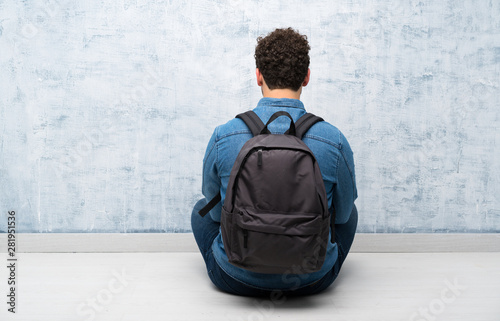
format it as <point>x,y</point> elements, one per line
<point>106,108</point>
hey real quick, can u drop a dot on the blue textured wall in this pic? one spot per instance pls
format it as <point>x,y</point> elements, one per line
<point>106,107</point>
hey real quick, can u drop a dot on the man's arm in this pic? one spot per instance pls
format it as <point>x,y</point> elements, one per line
<point>211,182</point>
<point>344,191</point>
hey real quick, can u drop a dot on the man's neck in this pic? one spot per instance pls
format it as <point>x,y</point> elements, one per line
<point>281,93</point>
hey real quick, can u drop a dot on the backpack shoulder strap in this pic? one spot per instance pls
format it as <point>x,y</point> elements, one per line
<point>252,121</point>
<point>255,125</point>
<point>304,123</point>
<point>214,201</point>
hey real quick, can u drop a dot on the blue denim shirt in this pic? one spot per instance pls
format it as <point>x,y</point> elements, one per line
<point>335,160</point>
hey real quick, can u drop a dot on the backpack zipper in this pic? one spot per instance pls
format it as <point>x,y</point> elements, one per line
<point>259,158</point>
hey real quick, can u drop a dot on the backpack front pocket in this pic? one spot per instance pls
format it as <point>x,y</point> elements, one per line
<point>277,242</point>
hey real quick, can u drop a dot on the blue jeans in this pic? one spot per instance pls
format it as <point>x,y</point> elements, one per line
<point>205,231</point>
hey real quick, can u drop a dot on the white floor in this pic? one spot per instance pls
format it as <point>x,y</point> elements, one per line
<point>174,286</point>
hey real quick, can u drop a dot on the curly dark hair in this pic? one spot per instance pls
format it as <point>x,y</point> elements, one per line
<point>283,58</point>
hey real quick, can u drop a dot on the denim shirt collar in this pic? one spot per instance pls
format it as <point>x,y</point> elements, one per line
<point>280,102</point>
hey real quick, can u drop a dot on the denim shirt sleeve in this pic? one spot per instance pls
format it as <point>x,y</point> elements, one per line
<point>211,182</point>
<point>344,191</point>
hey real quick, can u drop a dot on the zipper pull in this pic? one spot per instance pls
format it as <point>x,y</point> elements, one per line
<point>245,238</point>
<point>259,158</point>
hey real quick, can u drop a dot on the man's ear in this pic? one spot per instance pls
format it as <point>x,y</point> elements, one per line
<point>308,77</point>
<point>260,78</point>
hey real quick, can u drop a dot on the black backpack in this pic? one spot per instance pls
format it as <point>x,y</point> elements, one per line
<point>275,216</point>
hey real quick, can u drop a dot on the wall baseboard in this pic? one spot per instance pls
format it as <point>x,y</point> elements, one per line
<point>184,242</point>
